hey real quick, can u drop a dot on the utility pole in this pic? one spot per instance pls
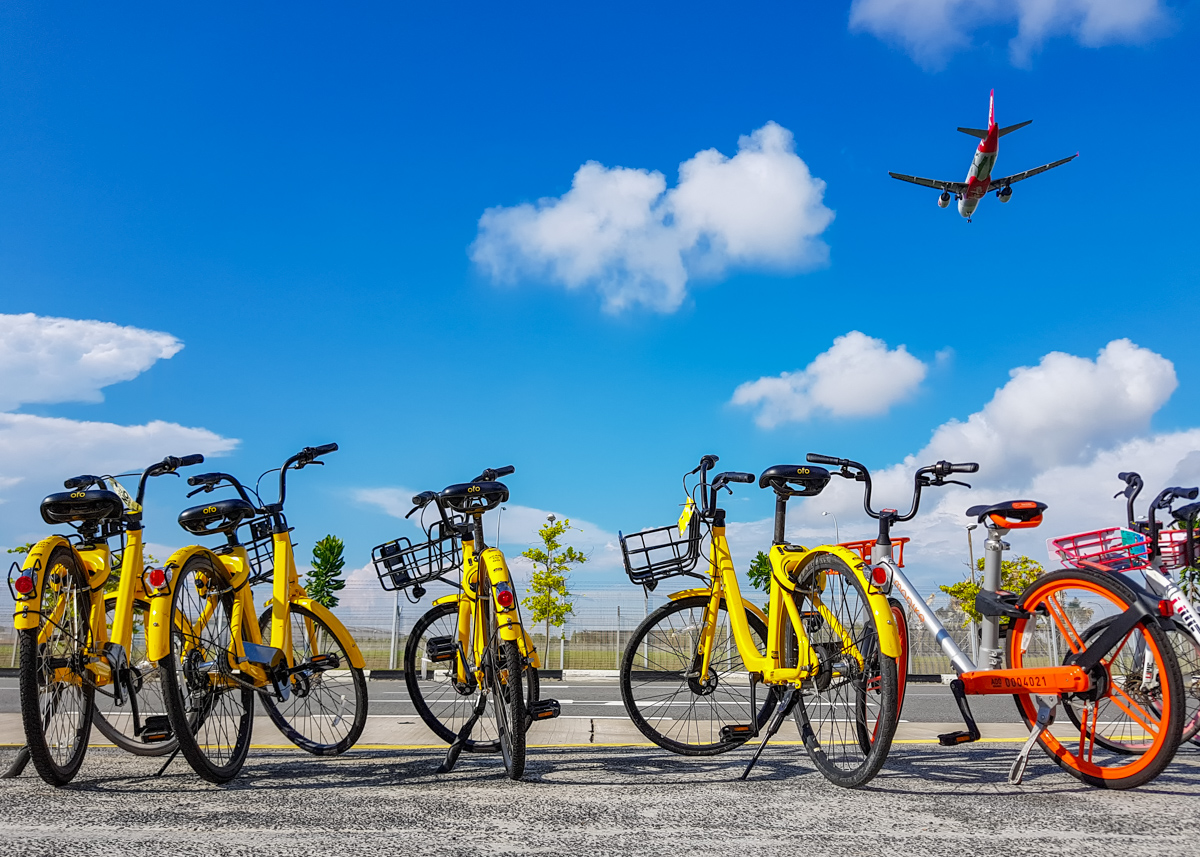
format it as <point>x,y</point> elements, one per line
<point>974,629</point>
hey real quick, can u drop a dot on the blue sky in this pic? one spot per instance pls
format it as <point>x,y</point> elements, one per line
<point>293,193</point>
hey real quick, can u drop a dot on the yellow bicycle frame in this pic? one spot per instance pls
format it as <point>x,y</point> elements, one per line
<point>787,564</point>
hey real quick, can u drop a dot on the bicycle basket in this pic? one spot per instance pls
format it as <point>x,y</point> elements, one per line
<point>1115,548</point>
<point>654,555</point>
<point>864,547</point>
<point>401,564</point>
<point>1172,547</point>
<point>260,550</point>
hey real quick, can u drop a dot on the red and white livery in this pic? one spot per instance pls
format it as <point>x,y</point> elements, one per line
<point>979,179</point>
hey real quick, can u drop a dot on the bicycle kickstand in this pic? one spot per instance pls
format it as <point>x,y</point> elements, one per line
<point>460,740</point>
<point>18,765</point>
<point>1045,717</point>
<point>786,704</point>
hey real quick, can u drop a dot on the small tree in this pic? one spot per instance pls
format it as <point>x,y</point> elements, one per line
<point>326,576</point>
<point>22,549</point>
<point>549,599</point>
<point>1015,575</point>
<point>759,574</point>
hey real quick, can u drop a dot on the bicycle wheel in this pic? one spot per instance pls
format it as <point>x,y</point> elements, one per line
<point>1127,671</point>
<point>327,710</point>
<point>1064,605</point>
<point>847,711</point>
<point>901,620</point>
<point>57,691</point>
<point>441,702</point>
<point>211,711</point>
<point>116,722</point>
<point>678,712</point>
<point>508,703</point>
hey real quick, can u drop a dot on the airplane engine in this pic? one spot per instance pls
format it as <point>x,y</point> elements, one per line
<point>944,199</point>
<point>1004,194</point>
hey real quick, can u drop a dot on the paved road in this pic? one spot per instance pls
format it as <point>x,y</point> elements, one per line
<point>595,802</point>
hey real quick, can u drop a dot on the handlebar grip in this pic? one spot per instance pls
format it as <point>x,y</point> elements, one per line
<point>706,463</point>
<point>814,458</point>
<point>80,481</point>
<point>1128,476</point>
<point>323,449</point>
<point>966,467</point>
<point>738,476</point>
<point>1185,493</point>
<point>189,460</point>
<point>507,470</point>
<point>205,479</point>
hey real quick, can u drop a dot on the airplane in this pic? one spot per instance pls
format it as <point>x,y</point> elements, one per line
<point>979,179</point>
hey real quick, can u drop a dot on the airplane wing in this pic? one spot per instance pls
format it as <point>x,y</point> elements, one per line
<point>952,187</point>
<point>1016,177</point>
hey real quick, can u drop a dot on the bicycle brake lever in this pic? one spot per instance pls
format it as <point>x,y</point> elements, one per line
<point>1118,494</point>
<point>954,482</point>
<point>197,491</point>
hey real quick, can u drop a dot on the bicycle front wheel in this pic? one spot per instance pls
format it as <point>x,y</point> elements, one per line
<point>665,698</point>
<point>444,703</point>
<point>847,710</point>
<point>115,722</point>
<point>508,703</point>
<point>327,709</point>
<point>1138,701</point>
<point>56,688</point>
<point>211,709</point>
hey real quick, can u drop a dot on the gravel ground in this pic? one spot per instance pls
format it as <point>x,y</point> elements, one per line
<point>620,801</point>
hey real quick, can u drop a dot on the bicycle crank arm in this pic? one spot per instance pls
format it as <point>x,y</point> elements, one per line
<point>460,739</point>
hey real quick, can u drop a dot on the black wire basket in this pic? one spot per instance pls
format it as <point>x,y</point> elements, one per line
<point>654,555</point>
<point>402,565</point>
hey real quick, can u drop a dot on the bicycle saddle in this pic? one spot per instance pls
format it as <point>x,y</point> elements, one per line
<point>784,478</point>
<point>222,516</point>
<point>1011,514</point>
<point>68,506</point>
<point>469,497</point>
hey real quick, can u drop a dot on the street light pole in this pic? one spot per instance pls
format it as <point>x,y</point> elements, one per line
<point>837,539</point>
<point>974,630</point>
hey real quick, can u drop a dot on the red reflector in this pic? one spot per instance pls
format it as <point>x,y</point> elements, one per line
<point>1166,608</point>
<point>504,597</point>
<point>157,578</point>
<point>879,575</point>
<point>24,584</point>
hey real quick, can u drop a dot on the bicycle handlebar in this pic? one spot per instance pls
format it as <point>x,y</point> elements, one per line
<point>492,474</point>
<point>858,472</point>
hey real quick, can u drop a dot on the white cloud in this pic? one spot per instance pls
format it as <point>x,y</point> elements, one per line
<point>858,376</point>
<point>622,232</point>
<point>931,30</point>
<point>45,359</point>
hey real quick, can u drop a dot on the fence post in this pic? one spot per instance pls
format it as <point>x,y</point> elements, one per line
<point>14,646</point>
<point>395,631</point>
<point>618,637</point>
<point>562,636</point>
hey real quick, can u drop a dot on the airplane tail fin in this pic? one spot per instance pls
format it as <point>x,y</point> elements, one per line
<point>991,108</point>
<point>1012,128</point>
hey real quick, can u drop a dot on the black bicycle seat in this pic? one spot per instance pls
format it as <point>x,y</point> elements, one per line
<point>222,516</point>
<point>470,497</point>
<point>73,506</point>
<point>1011,514</point>
<point>784,479</point>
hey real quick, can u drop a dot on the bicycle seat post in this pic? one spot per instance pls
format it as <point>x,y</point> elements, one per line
<point>991,656</point>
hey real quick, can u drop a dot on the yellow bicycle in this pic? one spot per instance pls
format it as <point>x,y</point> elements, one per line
<point>470,648</point>
<point>78,638</point>
<point>216,655</point>
<point>825,648</point>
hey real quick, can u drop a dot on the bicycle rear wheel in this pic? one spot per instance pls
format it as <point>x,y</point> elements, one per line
<point>901,620</point>
<point>116,722</point>
<point>211,711</point>
<point>443,703</point>
<point>847,711</point>
<point>508,704</point>
<point>327,710</point>
<point>676,711</point>
<point>57,691</point>
<point>1064,606</point>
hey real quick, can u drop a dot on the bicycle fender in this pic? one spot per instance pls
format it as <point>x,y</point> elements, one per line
<point>338,629</point>
<point>27,609</point>
<point>509,620</point>
<point>452,598</point>
<point>889,634</point>
<point>749,605</point>
<point>158,635</point>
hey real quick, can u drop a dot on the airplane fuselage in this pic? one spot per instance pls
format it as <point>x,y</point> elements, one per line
<point>980,176</point>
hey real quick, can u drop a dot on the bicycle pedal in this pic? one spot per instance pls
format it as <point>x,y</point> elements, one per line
<point>736,732</point>
<point>544,709</point>
<point>325,662</point>
<point>157,729</point>
<point>953,739</point>
<point>439,649</point>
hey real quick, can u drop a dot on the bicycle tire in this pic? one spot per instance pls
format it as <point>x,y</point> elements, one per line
<point>508,705</point>
<point>311,718</point>
<point>1048,632</point>
<point>116,723</point>
<point>901,620</point>
<point>212,720</point>
<point>57,734</point>
<point>651,693</point>
<point>848,753</point>
<point>440,704</point>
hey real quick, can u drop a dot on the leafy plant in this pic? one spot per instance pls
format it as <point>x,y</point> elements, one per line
<point>549,599</point>
<point>759,574</point>
<point>325,579</point>
<point>22,549</point>
<point>1015,575</point>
